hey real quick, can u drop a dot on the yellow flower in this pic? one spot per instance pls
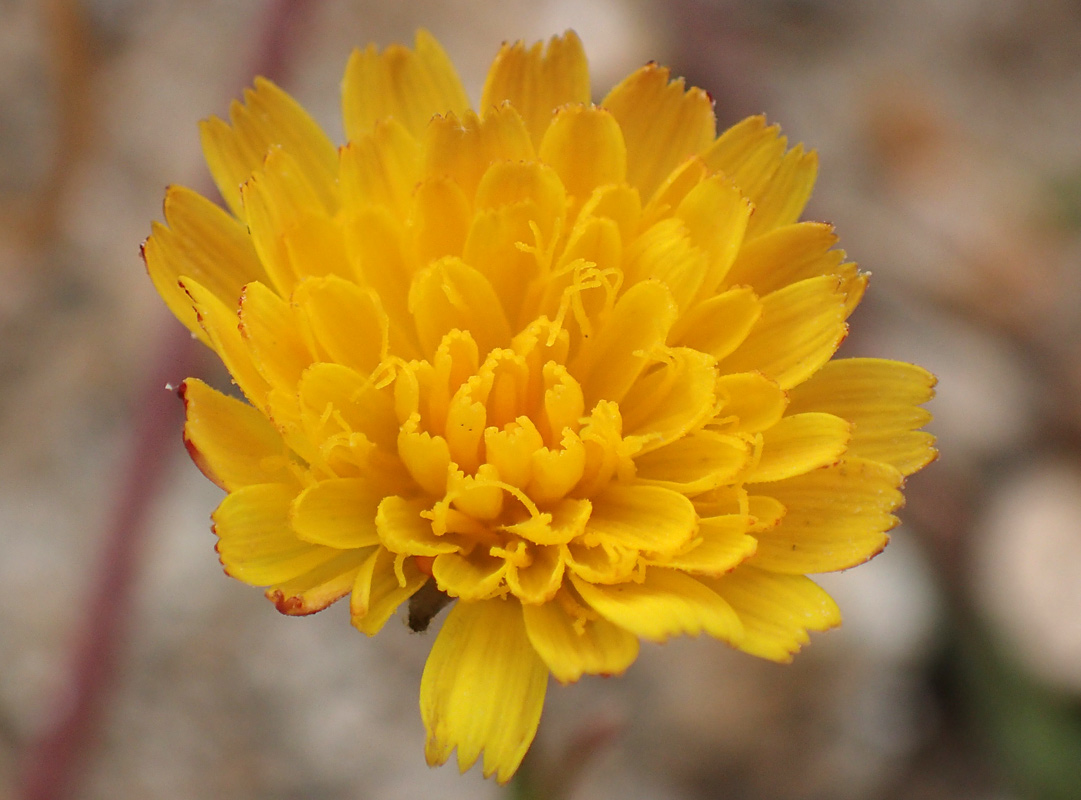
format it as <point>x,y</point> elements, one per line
<point>568,364</point>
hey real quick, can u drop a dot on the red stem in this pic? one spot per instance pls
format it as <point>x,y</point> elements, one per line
<point>54,761</point>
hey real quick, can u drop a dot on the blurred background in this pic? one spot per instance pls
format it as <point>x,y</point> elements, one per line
<point>948,137</point>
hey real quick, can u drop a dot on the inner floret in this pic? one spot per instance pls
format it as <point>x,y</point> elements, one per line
<point>505,459</point>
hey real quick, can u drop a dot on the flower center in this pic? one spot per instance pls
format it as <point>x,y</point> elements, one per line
<point>512,425</point>
<point>506,461</point>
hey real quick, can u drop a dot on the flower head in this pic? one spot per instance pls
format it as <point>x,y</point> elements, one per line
<point>566,364</point>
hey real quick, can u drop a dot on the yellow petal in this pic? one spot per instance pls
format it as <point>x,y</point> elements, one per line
<point>673,190</point>
<point>520,208</point>
<point>381,167</point>
<point>374,241</point>
<point>257,544</point>
<point>801,327</point>
<point>790,254</point>
<point>882,399</point>
<point>538,80</point>
<point>694,463</point>
<point>483,688</point>
<point>314,244</point>
<point>332,394</point>
<point>778,183</point>
<point>723,500</point>
<point>643,517</point>
<point>745,143</point>
<point>766,512</point>
<point>800,443</point>
<point>533,185</point>
<point>621,204</point>
<point>776,610</point>
<point>670,401</point>
<point>279,201</point>
<point>666,253</point>
<point>753,174</point>
<point>377,592</point>
<point>417,378</point>
<point>231,160</point>
<point>426,457</point>
<point>564,403</point>
<point>565,522</point>
<point>556,470</point>
<point>480,496</point>
<point>451,294</point>
<point>575,644</point>
<point>320,586</point>
<point>283,410</point>
<point>719,325</point>
<point>476,576</point>
<point>594,239</point>
<point>510,449</point>
<point>506,387</point>
<point>268,325</point>
<point>666,603</point>
<point>629,341</point>
<point>662,123</point>
<point>338,512</point>
<point>456,360</point>
<point>348,321</point>
<point>462,148</point>
<point>606,564</point>
<point>749,403</point>
<point>402,529</point>
<point>607,453</point>
<point>466,421</point>
<point>716,215</point>
<point>837,517</point>
<point>221,326</point>
<point>789,188</point>
<point>500,244</point>
<point>585,146</point>
<point>538,581</point>
<point>721,545</point>
<point>411,86</point>
<point>586,279</point>
<point>268,118</point>
<point>439,220</point>
<point>231,442</point>
<point>201,242</point>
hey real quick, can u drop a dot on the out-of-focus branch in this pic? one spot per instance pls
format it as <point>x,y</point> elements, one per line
<point>53,762</point>
<point>71,64</point>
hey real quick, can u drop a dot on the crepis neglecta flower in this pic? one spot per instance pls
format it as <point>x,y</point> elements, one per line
<point>566,364</point>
